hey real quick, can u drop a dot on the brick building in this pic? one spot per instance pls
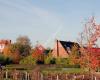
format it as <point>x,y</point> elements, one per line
<point>62,49</point>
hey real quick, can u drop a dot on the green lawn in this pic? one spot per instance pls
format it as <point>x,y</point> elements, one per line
<point>18,66</point>
<point>63,70</point>
<point>46,70</point>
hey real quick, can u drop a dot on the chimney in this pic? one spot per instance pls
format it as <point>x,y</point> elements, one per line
<point>57,49</point>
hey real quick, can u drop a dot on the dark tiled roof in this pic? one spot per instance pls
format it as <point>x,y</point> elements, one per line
<point>68,45</point>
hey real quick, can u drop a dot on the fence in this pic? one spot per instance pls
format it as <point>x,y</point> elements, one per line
<point>35,74</point>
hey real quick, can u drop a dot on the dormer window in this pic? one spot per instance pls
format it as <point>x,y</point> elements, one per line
<point>68,49</point>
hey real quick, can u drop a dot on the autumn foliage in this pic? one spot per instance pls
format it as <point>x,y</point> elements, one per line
<point>14,55</point>
<point>38,53</point>
<point>90,51</point>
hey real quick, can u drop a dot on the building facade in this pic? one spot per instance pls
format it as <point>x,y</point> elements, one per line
<point>62,49</point>
<point>4,43</point>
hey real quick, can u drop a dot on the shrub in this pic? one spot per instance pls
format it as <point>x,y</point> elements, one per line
<point>5,60</point>
<point>28,60</point>
<point>2,59</point>
<point>58,60</point>
<point>53,61</point>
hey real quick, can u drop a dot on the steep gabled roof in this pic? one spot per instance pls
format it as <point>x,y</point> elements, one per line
<point>67,45</point>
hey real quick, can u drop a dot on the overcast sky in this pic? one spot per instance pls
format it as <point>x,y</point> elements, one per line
<point>46,20</point>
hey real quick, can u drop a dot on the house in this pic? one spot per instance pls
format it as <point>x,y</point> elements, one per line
<point>62,49</point>
<point>4,43</point>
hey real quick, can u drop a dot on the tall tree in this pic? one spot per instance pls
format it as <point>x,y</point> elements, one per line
<point>24,45</point>
<point>24,40</point>
<point>87,41</point>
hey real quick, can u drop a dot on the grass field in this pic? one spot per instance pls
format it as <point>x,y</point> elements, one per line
<point>64,70</point>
